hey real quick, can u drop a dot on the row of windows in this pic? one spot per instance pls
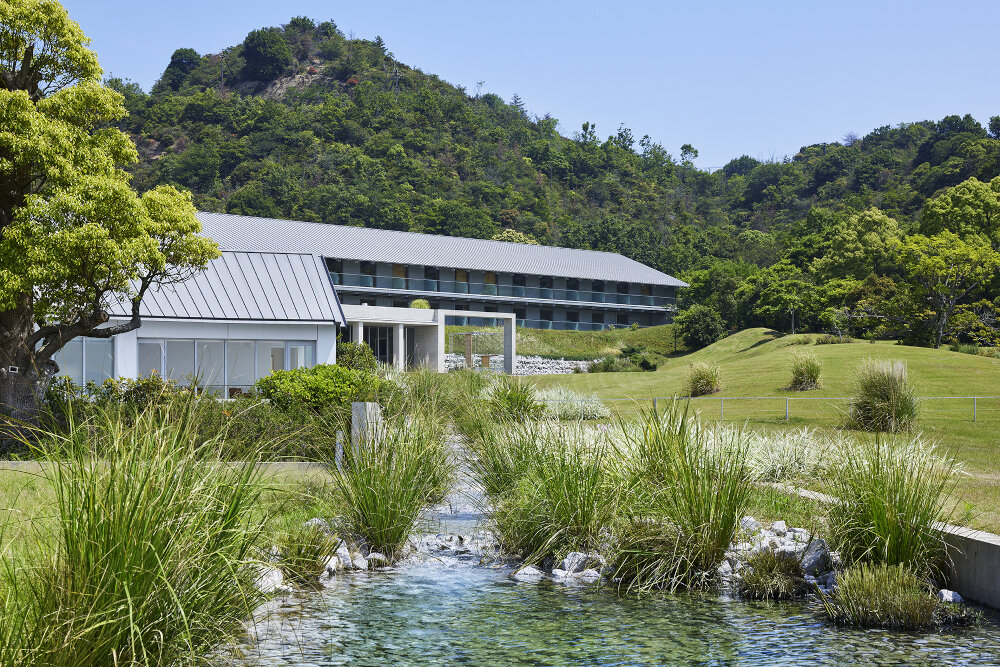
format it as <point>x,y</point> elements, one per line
<point>87,360</point>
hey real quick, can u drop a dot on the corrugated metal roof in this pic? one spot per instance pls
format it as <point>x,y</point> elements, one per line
<point>269,286</point>
<point>245,233</point>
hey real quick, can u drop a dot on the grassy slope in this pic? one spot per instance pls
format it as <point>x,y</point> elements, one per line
<point>757,363</point>
<point>586,344</point>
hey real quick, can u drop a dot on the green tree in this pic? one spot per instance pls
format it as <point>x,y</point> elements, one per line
<point>943,272</point>
<point>971,208</point>
<point>74,236</point>
<point>514,236</point>
<point>701,326</point>
<point>858,246</point>
<point>267,55</point>
<point>182,63</point>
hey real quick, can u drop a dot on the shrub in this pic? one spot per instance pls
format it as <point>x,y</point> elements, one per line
<point>831,339</point>
<point>965,348</point>
<point>805,371</point>
<point>421,304</point>
<point>356,356</point>
<point>881,596</point>
<point>322,387</point>
<point>513,399</point>
<point>386,480</point>
<point>305,552</point>
<point>769,575</point>
<point>891,495</point>
<point>563,403</point>
<point>631,358</point>
<point>703,378</point>
<point>152,560</point>
<point>885,399</point>
<point>701,326</point>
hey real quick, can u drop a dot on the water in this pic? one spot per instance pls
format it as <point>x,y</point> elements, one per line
<point>455,612</point>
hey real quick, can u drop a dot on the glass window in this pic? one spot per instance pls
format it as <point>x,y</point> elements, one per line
<point>545,281</point>
<point>461,276</point>
<point>179,360</point>
<point>546,314</point>
<point>597,286</point>
<point>150,357</point>
<point>211,363</point>
<point>270,357</point>
<point>647,290</point>
<point>98,359</point>
<point>399,270</point>
<point>572,316</point>
<point>368,268</point>
<point>70,360</point>
<point>240,363</point>
<point>490,278</point>
<point>623,288</point>
<point>521,313</point>
<point>431,272</point>
<point>597,317</point>
<point>301,355</point>
<point>518,279</point>
<point>573,283</point>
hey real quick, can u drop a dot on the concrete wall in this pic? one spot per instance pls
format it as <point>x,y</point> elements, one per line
<point>975,571</point>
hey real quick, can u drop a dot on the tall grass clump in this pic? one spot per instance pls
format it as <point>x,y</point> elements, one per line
<point>305,551</point>
<point>499,456</point>
<point>564,403</point>
<point>882,595</point>
<point>806,369</point>
<point>885,400</point>
<point>385,481</point>
<point>512,399</point>
<point>769,575</point>
<point>891,493</point>
<point>703,378</point>
<point>682,476</point>
<point>565,500</point>
<point>149,558</point>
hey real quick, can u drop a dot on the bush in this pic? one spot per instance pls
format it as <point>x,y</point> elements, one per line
<point>563,403</point>
<point>321,388</point>
<point>631,358</point>
<point>965,348</point>
<point>769,575</point>
<point>703,378</point>
<point>356,356</point>
<point>421,304</point>
<point>498,457</point>
<point>701,326</point>
<point>512,399</point>
<point>805,371</point>
<point>891,495</point>
<point>884,596</point>
<point>830,339</point>
<point>885,399</point>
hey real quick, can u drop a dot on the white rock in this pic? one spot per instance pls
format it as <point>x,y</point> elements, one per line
<point>725,569</point>
<point>360,562</point>
<point>333,566</point>
<point>589,575</point>
<point>816,558</point>
<point>270,579</point>
<point>529,573</point>
<point>749,523</point>
<point>577,561</point>
<point>779,528</point>
<point>344,554</point>
<point>946,595</point>
<point>560,573</point>
<point>376,559</point>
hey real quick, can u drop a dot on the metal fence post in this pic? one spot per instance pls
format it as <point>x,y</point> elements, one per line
<point>786,408</point>
<point>654,404</point>
<point>722,409</point>
<point>974,401</point>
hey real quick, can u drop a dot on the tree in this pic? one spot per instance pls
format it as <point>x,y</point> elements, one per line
<point>971,208</point>
<point>266,54</point>
<point>182,63</point>
<point>943,271</point>
<point>701,326</point>
<point>514,236</point>
<point>858,246</point>
<point>73,235</point>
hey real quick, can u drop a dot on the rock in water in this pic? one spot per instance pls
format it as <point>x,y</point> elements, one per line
<point>816,558</point>
<point>270,580</point>
<point>530,573</point>
<point>950,596</point>
<point>577,561</point>
<point>345,557</point>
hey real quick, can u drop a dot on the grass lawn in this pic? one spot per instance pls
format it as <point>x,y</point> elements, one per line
<point>756,362</point>
<point>583,344</point>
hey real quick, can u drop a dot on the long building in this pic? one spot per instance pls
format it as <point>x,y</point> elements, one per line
<point>283,291</point>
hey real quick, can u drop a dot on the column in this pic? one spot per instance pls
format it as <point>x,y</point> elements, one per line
<point>509,345</point>
<point>358,332</point>
<point>399,347</point>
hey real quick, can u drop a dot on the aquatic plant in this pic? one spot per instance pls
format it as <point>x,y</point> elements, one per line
<point>304,553</point>
<point>769,575</point>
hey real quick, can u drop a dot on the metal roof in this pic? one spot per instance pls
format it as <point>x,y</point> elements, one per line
<point>254,286</point>
<point>246,233</point>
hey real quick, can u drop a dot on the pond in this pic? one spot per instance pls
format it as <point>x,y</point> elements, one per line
<point>450,611</point>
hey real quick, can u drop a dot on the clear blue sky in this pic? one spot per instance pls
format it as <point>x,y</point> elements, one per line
<point>735,77</point>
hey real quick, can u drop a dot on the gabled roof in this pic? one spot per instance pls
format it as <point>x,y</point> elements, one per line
<point>251,286</point>
<point>245,233</point>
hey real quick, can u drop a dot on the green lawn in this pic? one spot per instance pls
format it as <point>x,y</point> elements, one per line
<point>756,362</point>
<point>584,344</point>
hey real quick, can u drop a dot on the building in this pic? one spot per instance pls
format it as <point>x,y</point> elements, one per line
<point>283,291</point>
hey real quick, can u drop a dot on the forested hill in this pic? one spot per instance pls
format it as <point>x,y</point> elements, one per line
<point>301,122</point>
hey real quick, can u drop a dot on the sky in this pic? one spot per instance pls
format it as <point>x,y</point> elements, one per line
<point>731,78</point>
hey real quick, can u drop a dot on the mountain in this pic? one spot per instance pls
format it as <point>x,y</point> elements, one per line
<point>301,122</point>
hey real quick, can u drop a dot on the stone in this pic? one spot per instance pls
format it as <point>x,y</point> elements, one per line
<point>749,523</point>
<point>816,558</point>
<point>725,569</point>
<point>559,573</point>
<point>333,566</point>
<point>779,528</point>
<point>319,523</point>
<point>946,595</point>
<point>270,579</point>
<point>529,573</point>
<point>589,575</point>
<point>577,561</point>
<point>344,554</point>
<point>360,562</point>
<point>376,559</point>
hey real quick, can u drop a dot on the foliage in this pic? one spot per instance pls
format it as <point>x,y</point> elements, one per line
<point>563,403</point>
<point>266,55</point>
<point>806,369</point>
<point>703,378</point>
<point>513,399</point>
<point>422,304</point>
<point>322,387</point>
<point>891,495</point>
<point>514,236</point>
<point>631,358</point>
<point>305,551</point>
<point>890,596</point>
<point>770,575</point>
<point>385,481</point>
<point>356,356</point>
<point>885,399</point>
<point>154,543</point>
<point>701,325</point>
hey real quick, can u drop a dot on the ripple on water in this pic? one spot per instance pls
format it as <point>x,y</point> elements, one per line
<point>460,614</point>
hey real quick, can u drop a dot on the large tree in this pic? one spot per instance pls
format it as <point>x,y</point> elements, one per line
<point>74,236</point>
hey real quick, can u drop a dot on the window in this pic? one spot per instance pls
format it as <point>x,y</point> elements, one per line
<point>623,288</point>
<point>518,279</point>
<point>240,365</point>
<point>179,360</point>
<point>572,283</point>
<point>431,272</point>
<point>647,290</point>
<point>211,364</point>
<point>399,277</point>
<point>150,357</point>
<point>270,357</point>
<point>301,355</point>
<point>461,276</point>
<point>368,268</point>
<point>597,317</point>
<point>521,313</point>
<point>545,281</point>
<point>367,277</point>
<point>546,314</point>
<point>597,286</point>
<point>336,269</point>
<point>572,316</point>
<point>87,360</point>
<point>490,278</point>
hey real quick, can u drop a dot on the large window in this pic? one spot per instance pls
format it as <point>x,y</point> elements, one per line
<point>221,365</point>
<point>87,360</point>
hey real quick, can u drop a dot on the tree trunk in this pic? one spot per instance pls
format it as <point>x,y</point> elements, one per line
<point>24,378</point>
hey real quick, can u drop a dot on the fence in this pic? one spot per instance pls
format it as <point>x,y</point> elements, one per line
<point>787,408</point>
